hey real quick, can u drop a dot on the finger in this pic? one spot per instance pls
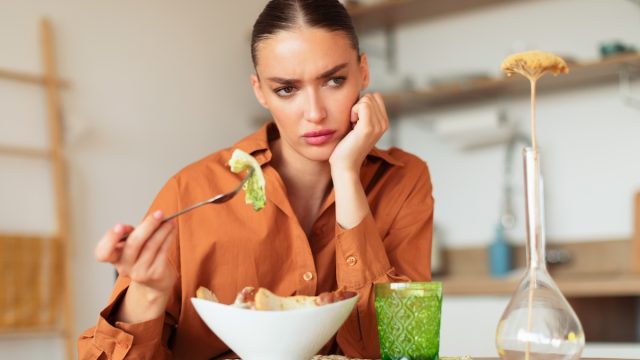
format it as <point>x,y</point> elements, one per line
<point>107,249</point>
<point>365,100</point>
<point>383,109</point>
<point>139,237</point>
<point>354,113</point>
<point>380,101</point>
<point>153,245</point>
<point>380,119</point>
<point>161,261</point>
<point>364,115</point>
<point>365,111</point>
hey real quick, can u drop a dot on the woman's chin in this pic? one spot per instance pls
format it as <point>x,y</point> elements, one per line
<point>319,153</point>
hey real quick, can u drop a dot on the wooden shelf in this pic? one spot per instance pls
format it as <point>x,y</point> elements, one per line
<point>581,74</point>
<point>393,12</point>
<point>591,286</point>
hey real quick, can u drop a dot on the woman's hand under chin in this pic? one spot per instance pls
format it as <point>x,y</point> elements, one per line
<point>369,121</point>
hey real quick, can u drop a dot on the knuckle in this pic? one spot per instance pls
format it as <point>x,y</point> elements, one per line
<point>135,240</point>
<point>138,275</point>
<point>155,276</point>
<point>98,253</point>
<point>101,257</point>
<point>123,271</point>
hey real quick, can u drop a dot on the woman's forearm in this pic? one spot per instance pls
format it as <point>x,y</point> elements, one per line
<point>351,201</point>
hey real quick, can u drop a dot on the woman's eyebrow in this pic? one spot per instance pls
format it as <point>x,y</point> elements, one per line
<point>284,81</point>
<point>332,71</point>
<point>324,75</point>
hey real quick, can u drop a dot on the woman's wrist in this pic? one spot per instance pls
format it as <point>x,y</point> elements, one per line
<point>344,174</point>
<point>344,169</point>
<point>141,303</point>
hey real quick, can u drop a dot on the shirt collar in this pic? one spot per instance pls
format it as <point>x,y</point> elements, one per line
<point>384,155</point>
<point>257,144</point>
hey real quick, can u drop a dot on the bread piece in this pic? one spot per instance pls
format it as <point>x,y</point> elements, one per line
<point>266,300</point>
<point>206,294</point>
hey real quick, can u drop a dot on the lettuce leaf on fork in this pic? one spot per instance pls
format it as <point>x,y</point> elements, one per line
<point>254,187</point>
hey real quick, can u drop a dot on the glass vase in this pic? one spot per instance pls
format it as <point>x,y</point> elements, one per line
<point>538,322</point>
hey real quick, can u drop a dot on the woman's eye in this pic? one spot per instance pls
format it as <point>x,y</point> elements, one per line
<point>284,91</point>
<point>337,81</point>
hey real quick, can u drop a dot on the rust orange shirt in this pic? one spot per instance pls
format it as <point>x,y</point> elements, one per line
<point>230,246</point>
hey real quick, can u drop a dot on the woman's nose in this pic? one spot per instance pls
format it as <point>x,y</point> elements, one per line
<point>315,109</point>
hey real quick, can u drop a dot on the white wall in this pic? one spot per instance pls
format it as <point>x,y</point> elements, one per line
<point>589,138</point>
<point>156,85</point>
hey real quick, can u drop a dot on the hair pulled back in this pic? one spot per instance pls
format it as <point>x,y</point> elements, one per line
<point>283,15</point>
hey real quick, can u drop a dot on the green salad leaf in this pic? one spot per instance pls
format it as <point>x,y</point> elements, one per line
<point>254,187</point>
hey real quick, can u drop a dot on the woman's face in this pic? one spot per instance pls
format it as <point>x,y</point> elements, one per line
<point>309,79</point>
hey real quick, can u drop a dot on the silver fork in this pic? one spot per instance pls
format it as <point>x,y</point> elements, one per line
<point>218,199</point>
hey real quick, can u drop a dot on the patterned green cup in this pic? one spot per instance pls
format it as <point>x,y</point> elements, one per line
<point>409,320</point>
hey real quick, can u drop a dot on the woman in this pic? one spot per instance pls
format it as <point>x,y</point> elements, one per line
<point>340,213</point>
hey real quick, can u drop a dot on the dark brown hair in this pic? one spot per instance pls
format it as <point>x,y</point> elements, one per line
<point>282,15</point>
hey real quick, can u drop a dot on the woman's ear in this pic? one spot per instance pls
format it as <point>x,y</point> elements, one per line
<point>364,71</point>
<point>257,91</point>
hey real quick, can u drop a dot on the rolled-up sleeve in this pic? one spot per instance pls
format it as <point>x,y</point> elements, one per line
<point>121,340</point>
<point>365,257</point>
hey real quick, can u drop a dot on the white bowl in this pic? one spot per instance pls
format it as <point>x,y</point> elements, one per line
<point>274,335</point>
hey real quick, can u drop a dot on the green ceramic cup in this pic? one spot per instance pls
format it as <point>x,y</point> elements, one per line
<point>409,320</point>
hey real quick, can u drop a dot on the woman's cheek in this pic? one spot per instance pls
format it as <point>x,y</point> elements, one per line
<point>283,112</point>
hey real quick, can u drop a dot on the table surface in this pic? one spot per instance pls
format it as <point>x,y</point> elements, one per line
<point>339,357</point>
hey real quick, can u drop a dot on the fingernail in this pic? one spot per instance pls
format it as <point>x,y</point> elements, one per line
<point>118,228</point>
<point>157,214</point>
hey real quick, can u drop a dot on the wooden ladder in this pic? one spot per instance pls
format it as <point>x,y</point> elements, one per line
<point>22,257</point>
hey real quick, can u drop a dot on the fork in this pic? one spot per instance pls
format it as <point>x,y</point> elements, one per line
<point>218,199</point>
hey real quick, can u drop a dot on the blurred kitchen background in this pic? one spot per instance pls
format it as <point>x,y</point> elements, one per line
<point>146,87</point>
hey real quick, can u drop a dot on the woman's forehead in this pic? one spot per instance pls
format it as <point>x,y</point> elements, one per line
<point>303,52</point>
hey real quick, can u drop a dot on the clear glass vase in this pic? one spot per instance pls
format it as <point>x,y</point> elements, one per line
<point>538,322</point>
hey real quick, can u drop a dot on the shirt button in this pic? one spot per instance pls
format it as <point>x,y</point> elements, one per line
<point>351,260</point>
<point>307,276</point>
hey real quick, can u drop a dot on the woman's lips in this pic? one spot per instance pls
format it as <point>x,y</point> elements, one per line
<point>318,137</point>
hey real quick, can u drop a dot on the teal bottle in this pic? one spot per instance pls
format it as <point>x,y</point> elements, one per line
<point>499,254</point>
